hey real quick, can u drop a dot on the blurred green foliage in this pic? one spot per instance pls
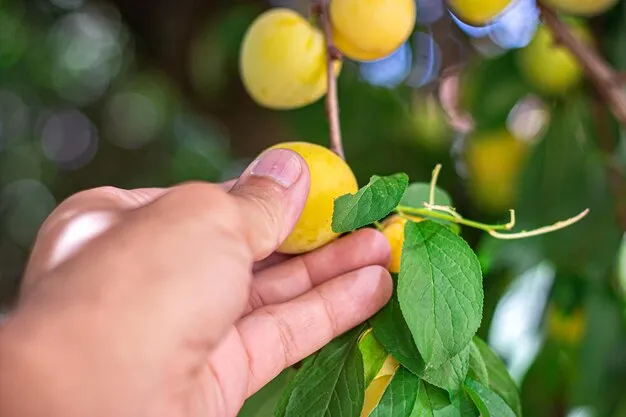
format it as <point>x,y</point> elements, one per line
<point>88,99</point>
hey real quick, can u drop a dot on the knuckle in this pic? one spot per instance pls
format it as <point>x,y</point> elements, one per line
<point>287,338</point>
<point>329,312</point>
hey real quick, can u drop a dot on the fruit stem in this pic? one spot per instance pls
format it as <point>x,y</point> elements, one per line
<point>433,184</point>
<point>456,218</point>
<point>598,70</point>
<point>320,7</point>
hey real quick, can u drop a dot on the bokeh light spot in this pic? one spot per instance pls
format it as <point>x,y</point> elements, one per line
<point>528,119</point>
<point>138,112</point>
<point>389,71</point>
<point>426,60</point>
<point>69,139</point>
<point>87,46</point>
<point>516,27</point>
<point>429,11</point>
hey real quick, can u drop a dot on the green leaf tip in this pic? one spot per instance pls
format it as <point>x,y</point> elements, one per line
<point>371,203</point>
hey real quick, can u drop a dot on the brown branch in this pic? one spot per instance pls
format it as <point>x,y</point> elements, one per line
<point>609,88</point>
<point>320,8</point>
<point>598,70</point>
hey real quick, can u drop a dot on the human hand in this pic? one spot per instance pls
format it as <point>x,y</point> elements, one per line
<point>166,302</point>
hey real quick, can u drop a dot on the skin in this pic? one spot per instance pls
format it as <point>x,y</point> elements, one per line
<point>169,302</point>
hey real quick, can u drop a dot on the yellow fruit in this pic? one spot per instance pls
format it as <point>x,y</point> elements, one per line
<point>331,178</point>
<point>283,60</point>
<point>367,30</point>
<point>581,7</point>
<point>549,67</point>
<point>478,12</point>
<point>566,328</point>
<point>390,366</point>
<point>393,229</point>
<point>494,161</point>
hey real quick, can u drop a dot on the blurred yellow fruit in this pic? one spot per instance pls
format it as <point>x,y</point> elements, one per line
<point>549,67</point>
<point>367,30</point>
<point>494,161</point>
<point>283,60</point>
<point>393,229</point>
<point>477,12</point>
<point>566,328</point>
<point>331,178</point>
<point>581,7</point>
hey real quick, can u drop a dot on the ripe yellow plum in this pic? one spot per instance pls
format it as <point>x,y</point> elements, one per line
<point>477,12</point>
<point>494,161</point>
<point>331,178</point>
<point>283,60</point>
<point>367,30</point>
<point>585,8</point>
<point>393,229</point>
<point>551,68</point>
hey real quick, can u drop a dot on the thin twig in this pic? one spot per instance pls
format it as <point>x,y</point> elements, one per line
<point>320,7</point>
<point>542,230</point>
<point>433,184</point>
<point>598,70</point>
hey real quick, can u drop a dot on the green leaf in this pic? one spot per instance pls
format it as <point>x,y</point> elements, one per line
<point>564,175</point>
<point>263,402</point>
<point>488,402</point>
<point>418,193</point>
<point>371,203</point>
<point>498,376</point>
<point>374,355</point>
<point>440,290</point>
<point>393,333</point>
<point>423,406</point>
<point>330,383</point>
<point>477,365</point>
<point>399,397</point>
<point>451,374</point>
<point>433,402</point>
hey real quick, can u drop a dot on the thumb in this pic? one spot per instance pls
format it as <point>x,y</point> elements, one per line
<point>271,192</point>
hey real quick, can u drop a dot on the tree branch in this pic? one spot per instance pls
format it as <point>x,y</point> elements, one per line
<point>320,8</point>
<point>598,70</point>
<point>609,88</point>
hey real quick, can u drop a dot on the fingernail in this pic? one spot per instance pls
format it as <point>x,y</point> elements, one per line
<point>280,165</point>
